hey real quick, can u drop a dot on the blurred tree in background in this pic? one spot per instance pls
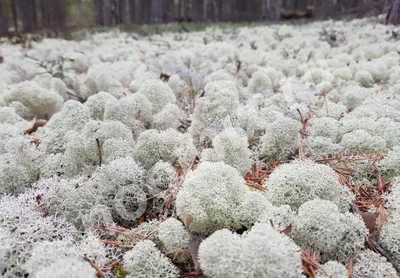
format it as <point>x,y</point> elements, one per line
<point>30,15</point>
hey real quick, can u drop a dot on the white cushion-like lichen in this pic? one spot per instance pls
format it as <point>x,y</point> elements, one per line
<point>332,269</point>
<point>301,181</point>
<point>230,146</point>
<point>371,265</point>
<point>145,260</point>
<point>214,197</point>
<point>220,101</point>
<point>281,139</point>
<point>259,251</point>
<point>169,145</point>
<point>173,236</point>
<point>42,103</point>
<point>337,236</point>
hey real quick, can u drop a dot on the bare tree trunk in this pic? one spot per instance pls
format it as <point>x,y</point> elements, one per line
<point>333,9</point>
<point>3,19</point>
<point>205,10</point>
<point>188,10</point>
<point>27,11</point>
<point>168,12</point>
<point>98,12</point>
<point>215,10</point>
<point>156,11</point>
<point>290,7</point>
<point>121,10</point>
<point>365,6</point>
<point>135,11</point>
<point>181,10</point>
<point>145,9</point>
<point>274,9</point>
<point>53,13</point>
<point>393,16</point>
<point>226,10</point>
<point>14,14</point>
<point>107,13</point>
<point>44,20</point>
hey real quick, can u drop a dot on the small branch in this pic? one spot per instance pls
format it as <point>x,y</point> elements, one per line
<point>117,244</point>
<point>374,245</point>
<point>116,231</point>
<point>99,151</point>
<point>150,234</point>
<point>160,42</point>
<point>92,264</point>
<point>303,133</point>
<point>169,202</point>
<point>254,170</point>
<point>113,264</point>
<point>238,65</point>
<point>350,265</point>
<point>254,139</point>
<point>255,185</point>
<point>72,94</point>
<point>164,76</point>
<point>36,125</point>
<point>310,55</point>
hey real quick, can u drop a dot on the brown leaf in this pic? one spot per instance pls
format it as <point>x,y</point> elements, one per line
<point>189,219</point>
<point>137,115</point>
<point>164,76</point>
<point>36,125</point>
<point>287,230</point>
<point>151,216</point>
<point>35,141</point>
<point>370,219</point>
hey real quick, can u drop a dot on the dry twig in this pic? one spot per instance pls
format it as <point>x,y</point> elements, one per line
<point>92,264</point>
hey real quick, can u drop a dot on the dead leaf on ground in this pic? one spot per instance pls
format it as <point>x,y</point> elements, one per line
<point>287,230</point>
<point>36,125</point>
<point>370,219</point>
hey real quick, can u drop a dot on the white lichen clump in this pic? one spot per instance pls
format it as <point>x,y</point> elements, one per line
<point>197,205</point>
<point>145,260</point>
<point>230,146</point>
<point>21,217</point>
<point>332,269</point>
<point>220,102</point>
<point>371,265</point>
<point>390,164</point>
<point>281,139</point>
<point>360,141</point>
<point>173,236</point>
<point>41,102</point>
<point>19,166</point>
<point>215,197</point>
<point>46,254</point>
<point>389,236</point>
<point>261,250</point>
<point>295,183</point>
<point>161,175</point>
<point>169,145</point>
<point>158,93</point>
<point>337,236</point>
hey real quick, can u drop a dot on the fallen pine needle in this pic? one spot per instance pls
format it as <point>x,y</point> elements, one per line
<point>117,244</point>
<point>256,185</point>
<point>117,231</point>
<point>113,264</point>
